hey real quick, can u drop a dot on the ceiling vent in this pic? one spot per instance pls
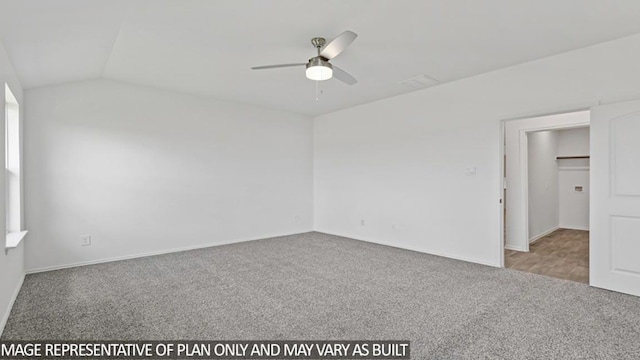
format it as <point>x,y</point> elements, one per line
<point>420,82</point>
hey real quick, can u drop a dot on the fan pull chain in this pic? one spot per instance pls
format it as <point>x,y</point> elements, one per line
<point>318,91</point>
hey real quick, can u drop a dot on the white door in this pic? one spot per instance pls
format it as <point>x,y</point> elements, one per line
<point>615,202</point>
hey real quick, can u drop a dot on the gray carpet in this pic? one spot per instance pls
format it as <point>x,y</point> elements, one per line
<point>316,286</point>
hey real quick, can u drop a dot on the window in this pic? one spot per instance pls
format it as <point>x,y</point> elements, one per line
<point>13,208</point>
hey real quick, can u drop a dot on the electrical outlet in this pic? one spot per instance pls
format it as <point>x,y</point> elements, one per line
<point>362,222</point>
<point>296,218</point>
<point>85,240</point>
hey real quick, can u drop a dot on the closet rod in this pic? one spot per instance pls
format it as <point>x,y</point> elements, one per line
<point>572,157</point>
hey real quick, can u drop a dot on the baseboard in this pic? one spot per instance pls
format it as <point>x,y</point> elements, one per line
<point>7,312</point>
<point>575,228</point>
<point>411,248</point>
<point>540,236</point>
<point>154,253</point>
<point>515,248</point>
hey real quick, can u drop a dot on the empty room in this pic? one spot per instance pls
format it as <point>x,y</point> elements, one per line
<point>293,179</point>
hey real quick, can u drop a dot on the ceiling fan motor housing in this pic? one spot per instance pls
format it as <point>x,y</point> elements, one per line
<point>319,61</point>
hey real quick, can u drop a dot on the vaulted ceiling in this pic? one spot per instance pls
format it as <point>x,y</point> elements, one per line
<point>207,47</point>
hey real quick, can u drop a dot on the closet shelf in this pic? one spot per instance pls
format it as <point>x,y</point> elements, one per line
<point>572,157</point>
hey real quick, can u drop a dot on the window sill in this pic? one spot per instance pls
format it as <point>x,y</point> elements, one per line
<point>14,238</point>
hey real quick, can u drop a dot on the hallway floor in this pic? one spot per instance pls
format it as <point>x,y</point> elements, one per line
<point>562,254</point>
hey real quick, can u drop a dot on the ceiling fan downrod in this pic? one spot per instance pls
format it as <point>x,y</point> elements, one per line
<point>318,42</point>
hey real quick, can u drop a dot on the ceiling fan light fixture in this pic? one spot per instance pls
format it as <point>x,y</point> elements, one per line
<point>319,69</point>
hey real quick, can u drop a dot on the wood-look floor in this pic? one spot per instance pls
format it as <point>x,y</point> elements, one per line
<point>562,254</point>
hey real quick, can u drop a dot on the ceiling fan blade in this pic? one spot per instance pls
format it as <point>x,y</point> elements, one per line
<point>276,66</point>
<point>337,45</point>
<point>343,76</point>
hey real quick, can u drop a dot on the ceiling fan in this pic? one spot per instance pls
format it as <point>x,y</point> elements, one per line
<point>318,67</point>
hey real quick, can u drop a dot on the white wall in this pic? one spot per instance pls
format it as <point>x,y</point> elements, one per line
<point>574,205</point>
<point>146,171</point>
<point>11,261</point>
<point>573,142</point>
<point>402,161</point>
<point>543,183</point>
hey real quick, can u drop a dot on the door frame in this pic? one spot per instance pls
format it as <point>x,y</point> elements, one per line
<point>524,165</point>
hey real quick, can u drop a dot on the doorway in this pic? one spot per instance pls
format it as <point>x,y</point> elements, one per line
<point>546,193</point>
